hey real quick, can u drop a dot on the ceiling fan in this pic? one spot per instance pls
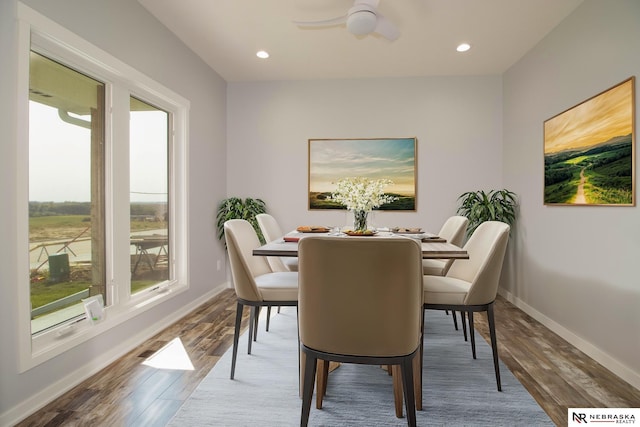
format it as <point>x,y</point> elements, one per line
<point>362,18</point>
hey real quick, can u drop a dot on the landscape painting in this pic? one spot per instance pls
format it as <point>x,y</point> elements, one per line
<point>589,151</point>
<point>376,158</point>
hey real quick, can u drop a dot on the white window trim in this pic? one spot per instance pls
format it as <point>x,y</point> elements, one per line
<point>123,81</point>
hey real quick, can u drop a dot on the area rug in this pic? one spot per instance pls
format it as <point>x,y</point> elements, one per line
<point>457,389</point>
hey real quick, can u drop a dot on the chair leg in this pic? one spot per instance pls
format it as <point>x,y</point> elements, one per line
<point>236,336</point>
<point>268,317</point>
<point>409,397</point>
<point>307,388</point>
<point>455,319</point>
<point>472,335</point>
<point>252,317</point>
<point>494,344</point>
<point>255,322</point>
<point>463,317</point>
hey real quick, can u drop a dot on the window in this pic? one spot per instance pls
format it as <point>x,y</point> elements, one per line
<point>66,191</point>
<point>148,173</point>
<point>103,150</point>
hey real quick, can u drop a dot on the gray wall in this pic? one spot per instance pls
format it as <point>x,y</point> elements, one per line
<point>457,122</point>
<point>576,267</point>
<point>126,31</point>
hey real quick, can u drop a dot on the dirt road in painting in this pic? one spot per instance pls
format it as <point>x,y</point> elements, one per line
<point>580,200</point>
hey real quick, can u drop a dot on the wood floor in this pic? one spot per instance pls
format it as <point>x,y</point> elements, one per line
<point>128,393</point>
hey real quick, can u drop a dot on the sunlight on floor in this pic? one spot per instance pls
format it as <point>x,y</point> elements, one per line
<point>171,356</point>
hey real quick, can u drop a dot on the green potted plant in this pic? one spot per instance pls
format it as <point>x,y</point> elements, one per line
<point>495,205</point>
<point>236,208</point>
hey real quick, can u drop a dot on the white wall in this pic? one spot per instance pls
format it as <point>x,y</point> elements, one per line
<point>457,121</point>
<point>577,267</point>
<point>125,30</point>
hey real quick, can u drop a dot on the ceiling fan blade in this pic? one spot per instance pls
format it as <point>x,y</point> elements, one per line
<point>323,23</point>
<point>387,29</point>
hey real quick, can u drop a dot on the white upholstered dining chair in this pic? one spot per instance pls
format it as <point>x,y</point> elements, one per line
<point>472,285</point>
<point>453,230</point>
<point>366,308</point>
<point>271,231</point>
<point>256,285</point>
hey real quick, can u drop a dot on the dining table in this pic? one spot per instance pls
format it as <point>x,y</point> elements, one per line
<point>433,247</point>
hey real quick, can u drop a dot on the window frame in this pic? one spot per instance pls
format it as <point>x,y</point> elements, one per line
<point>122,81</point>
<point>170,121</point>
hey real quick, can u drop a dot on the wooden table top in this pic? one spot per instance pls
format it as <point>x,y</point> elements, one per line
<point>436,249</point>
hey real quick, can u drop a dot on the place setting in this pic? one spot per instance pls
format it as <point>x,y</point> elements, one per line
<point>417,233</point>
<point>303,230</point>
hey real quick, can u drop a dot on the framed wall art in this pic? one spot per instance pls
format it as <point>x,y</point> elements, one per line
<point>373,158</point>
<point>589,151</point>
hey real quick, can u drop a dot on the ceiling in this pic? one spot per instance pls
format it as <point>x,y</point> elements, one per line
<point>226,34</point>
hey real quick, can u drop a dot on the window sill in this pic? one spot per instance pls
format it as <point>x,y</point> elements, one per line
<point>67,336</point>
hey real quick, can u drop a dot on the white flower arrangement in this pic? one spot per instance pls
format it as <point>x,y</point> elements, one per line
<point>362,194</point>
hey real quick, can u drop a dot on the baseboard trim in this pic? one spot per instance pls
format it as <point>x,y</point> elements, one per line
<point>57,389</point>
<point>625,373</point>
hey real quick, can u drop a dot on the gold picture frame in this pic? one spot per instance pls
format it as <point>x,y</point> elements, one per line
<point>589,151</point>
<point>373,158</point>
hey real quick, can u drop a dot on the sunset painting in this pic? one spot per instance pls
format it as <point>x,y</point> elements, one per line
<point>589,151</point>
<point>377,158</point>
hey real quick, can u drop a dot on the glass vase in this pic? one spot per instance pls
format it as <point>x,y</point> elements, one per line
<point>360,220</point>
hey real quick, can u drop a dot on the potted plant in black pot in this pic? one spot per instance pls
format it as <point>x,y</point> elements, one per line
<point>494,205</point>
<point>236,208</point>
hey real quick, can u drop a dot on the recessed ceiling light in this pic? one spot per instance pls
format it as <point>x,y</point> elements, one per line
<point>463,47</point>
<point>262,54</point>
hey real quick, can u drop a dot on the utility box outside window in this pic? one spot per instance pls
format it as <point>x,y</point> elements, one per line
<point>58,268</point>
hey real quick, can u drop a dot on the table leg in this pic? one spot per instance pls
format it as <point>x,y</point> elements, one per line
<point>322,372</point>
<point>398,397</point>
